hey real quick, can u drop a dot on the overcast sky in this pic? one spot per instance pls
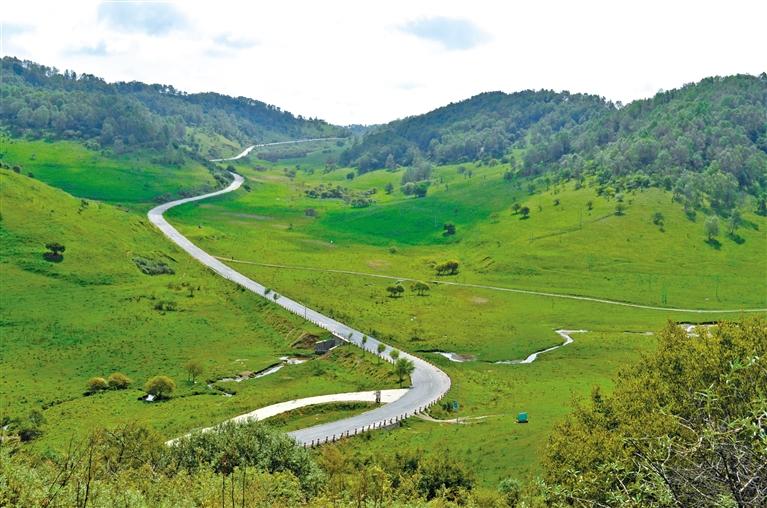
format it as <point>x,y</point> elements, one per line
<point>371,62</point>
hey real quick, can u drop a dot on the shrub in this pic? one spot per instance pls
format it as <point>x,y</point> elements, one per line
<point>152,267</point>
<point>118,381</point>
<point>96,384</point>
<point>160,386</point>
<point>252,444</point>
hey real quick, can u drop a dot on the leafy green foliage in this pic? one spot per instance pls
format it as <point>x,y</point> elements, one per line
<point>707,139</point>
<point>684,427</point>
<point>481,127</point>
<point>41,101</point>
<point>160,386</point>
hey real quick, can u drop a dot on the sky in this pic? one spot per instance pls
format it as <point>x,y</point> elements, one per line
<point>366,62</point>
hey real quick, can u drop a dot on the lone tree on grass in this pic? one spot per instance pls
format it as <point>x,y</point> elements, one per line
<point>395,290</point>
<point>620,208</point>
<point>734,223</point>
<point>380,349</point>
<point>712,227</point>
<point>449,229</point>
<point>193,369</point>
<point>118,381</point>
<point>54,253</point>
<point>420,288</point>
<point>515,208</point>
<point>160,386</point>
<point>394,354</point>
<point>403,368</point>
<point>525,212</point>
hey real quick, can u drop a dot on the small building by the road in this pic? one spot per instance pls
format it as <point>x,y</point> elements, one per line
<point>324,346</point>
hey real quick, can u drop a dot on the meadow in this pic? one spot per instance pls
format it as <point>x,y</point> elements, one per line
<point>104,315</point>
<point>95,313</point>
<point>573,243</point>
<point>128,179</point>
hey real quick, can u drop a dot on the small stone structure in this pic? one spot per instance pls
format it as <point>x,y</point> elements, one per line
<point>324,346</point>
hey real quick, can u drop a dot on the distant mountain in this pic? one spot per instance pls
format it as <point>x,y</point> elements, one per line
<point>707,138</point>
<point>41,101</point>
<point>485,126</point>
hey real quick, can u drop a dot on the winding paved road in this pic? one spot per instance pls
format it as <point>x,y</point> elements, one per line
<point>429,384</point>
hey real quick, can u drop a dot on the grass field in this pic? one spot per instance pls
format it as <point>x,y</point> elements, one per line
<point>101,317</point>
<point>134,178</point>
<point>567,247</point>
<point>95,313</point>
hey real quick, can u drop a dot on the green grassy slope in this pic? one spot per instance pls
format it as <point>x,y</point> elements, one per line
<point>563,248</point>
<point>95,313</point>
<point>131,178</point>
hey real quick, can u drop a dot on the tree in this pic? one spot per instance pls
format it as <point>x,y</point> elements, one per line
<point>395,290</point>
<point>96,384</point>
<point>761,205</point>
<point>448,229</point>
<point>511,490</point>
<point>734,223</point>
<point>711,226</point>
<point>403,368</point>
<point>193,369</point>
<point>589,205</point>
<point>118,381</point>
<point>350,175</point>
<point>160,386</point>
<point>682,427</point>
<point>364,341</point>
<point>54,253</point>
<point>447,268</point>
<point>390,163</point>
<point>394,354</point>
<point>420,287</point>
<point>657,219</point>
<point>380,349</point>
<point>515,208</point>
<point>525,211</point>
<point>389,188</point>
<point>620,208</point>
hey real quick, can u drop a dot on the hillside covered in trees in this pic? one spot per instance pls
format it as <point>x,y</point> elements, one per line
<point>484,126</point>
<point>704,138</point>
<point>40,101</point>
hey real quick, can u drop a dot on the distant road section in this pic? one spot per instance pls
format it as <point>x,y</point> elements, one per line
<point>249,149</point>
<point>429,383</point>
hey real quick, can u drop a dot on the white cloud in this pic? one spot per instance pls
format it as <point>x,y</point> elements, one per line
<point>451,33</point>
<point>351,62</point>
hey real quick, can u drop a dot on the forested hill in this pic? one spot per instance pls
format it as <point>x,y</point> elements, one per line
<point>702,136</point>
<point>485,126</point>
<point>40,101</point>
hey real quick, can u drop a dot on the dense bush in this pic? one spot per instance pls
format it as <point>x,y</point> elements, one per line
<point>684,427</point>
<point>118,381</point>
<point>152,267</point>
<point>160,386</point>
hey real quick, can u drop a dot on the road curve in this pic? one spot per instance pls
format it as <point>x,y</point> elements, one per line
<point>245,152</point>
<point>429,384</point>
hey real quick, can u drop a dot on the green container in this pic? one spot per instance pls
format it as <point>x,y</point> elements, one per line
<point>522,418</point>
